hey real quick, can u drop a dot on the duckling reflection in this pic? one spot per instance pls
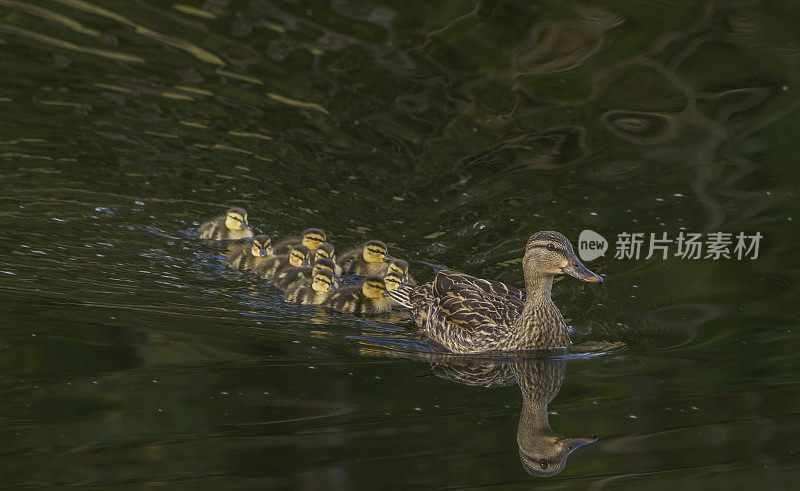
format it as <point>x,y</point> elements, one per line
<point>543,453</point>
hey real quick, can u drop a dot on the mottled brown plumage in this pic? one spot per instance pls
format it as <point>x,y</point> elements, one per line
<point>472,315</point>
<point>231,226</point>
<point>249,256</point>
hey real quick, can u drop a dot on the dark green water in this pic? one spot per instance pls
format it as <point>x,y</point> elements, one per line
<point>452,130</point>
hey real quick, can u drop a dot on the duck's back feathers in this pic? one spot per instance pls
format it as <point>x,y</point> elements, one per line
<point>460,311</point>
<point>447,280</point>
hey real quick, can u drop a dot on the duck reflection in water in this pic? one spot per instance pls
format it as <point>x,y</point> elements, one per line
<point>543,453</point>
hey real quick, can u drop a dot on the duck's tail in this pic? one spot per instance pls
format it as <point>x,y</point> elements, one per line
<point>400,296</point>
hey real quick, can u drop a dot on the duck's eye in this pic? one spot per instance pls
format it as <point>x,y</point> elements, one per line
<point>551,247</point>
<point>235,218</point>
<point>543,463</point>
<point>376,251</point>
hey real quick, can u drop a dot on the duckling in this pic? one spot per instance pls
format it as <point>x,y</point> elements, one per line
<point>312,292</point>
<point>231,226</point>
<point>327,251</point>
<point>272,267</point>
<point>248,256</point>
<point>311,238</point>
<point>400,266</point>
<point>366,260</point>
<point>369,297</point>
<point>284,279</point>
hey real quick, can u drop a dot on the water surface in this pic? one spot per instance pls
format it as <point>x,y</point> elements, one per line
<point>130,356</point>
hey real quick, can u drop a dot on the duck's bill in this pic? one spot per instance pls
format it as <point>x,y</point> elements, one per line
<point>245,225</point>
<point>387,257</point>
<point>263,252</point>
<point>573,443</point>
<point>577,270</point>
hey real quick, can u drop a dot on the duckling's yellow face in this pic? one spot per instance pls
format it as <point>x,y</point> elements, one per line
<point>374,288</point>
<point>374,252</point>
<point>236,220</point>
<point>393,280</point>
<point>324,251</point>
<point>261,247</point>
<point>550,253</point>
<point>298,256</point>
<point>313,239</point>
<point>322,282</point>
<point>399,267</point>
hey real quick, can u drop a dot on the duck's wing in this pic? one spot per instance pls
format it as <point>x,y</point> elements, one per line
<point>469,308</point>
<point>447,280</point>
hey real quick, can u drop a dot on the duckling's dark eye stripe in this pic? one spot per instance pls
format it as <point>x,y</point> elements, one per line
<point>376,251</point>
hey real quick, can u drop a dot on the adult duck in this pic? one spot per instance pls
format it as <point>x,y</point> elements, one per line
<point>472,315</point>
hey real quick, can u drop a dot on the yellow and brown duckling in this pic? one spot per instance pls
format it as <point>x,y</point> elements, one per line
<point>472,315</point>
<point>287,277</point>
<point>368,259</point>
<point>368,297</point>
<point>327,251</point>
<point>400,266</point>
<point>231,226</point>
<point>249,256</point>
<point>311,238</point>
<point>274,266</point>
<point>393,281</point>
<point>311,292</point>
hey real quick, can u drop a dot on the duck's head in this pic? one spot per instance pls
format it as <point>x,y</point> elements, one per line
<point>322,264</point>
<point>546,455</point>
<point>324,251</point>
<point>262,246</point>
<point>399,266</point>
<point>236,219</point>
<point>393,280</point>
<point>375,252</point>
<point>323,279</point>
<point>298,256</point>
<point>373,287</point>
<point>313,238</point>
<point>550,253</point>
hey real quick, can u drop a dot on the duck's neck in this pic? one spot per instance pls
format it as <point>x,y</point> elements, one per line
<point>538,288</point>
<point>541,325</point>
